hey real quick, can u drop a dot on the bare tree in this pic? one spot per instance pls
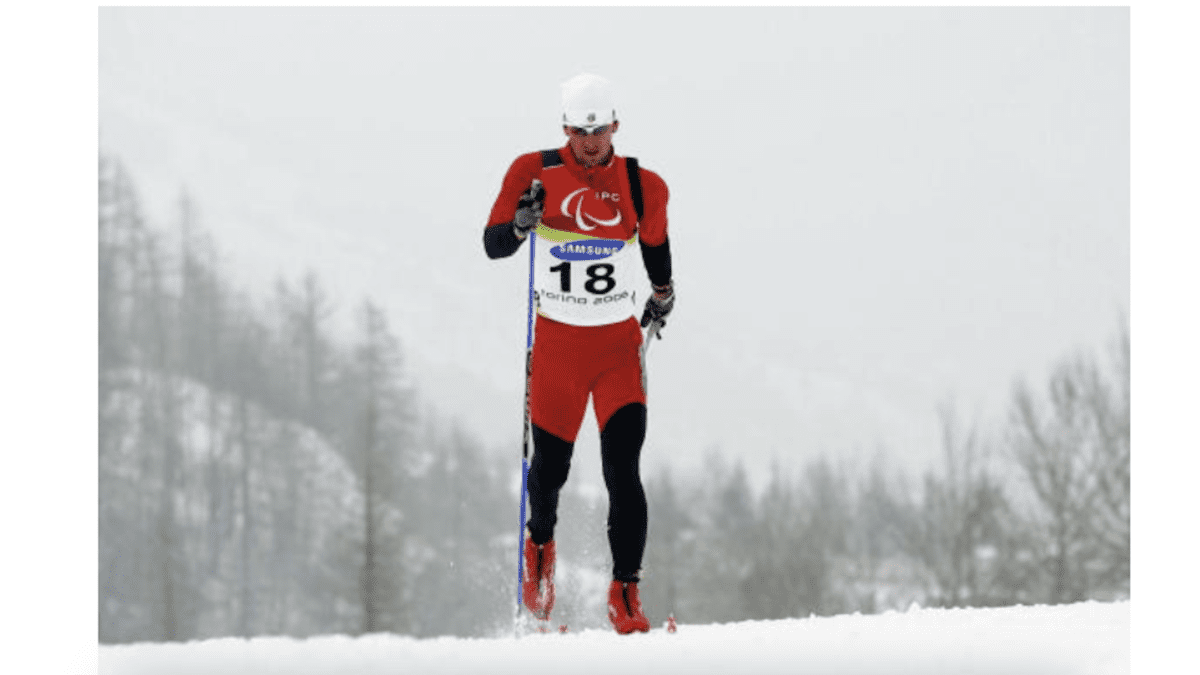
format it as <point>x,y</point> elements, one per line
<point>885,520</point>
<point>1074,452</point>
<point>1109,404</point>
<point>824,499</point>
<point>785,562</point>
<point>1052,448</point>
<point>202,300</point>
<point>161,421</point>
<point>460,508</point>
<point>671,529</point>
<point>121,537</point>
<point>305,312</point>
<point>115,233</point>
<point>380,416</point>
<point>963,516</point>
<point>721,553</point>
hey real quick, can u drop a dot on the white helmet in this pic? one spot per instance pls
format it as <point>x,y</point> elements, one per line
<point>587,101</point>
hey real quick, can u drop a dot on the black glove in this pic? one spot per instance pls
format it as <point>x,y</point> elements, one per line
<point>660,304</point>
<point>529,209</point>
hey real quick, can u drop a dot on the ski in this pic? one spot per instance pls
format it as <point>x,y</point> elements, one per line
<point>547,627</point>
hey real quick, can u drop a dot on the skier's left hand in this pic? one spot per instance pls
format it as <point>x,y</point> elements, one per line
<point>660,304</point>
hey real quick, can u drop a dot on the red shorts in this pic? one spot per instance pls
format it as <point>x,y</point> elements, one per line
<point>570,362</point>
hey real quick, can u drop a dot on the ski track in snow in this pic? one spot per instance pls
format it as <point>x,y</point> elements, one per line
<point>1090,638</point>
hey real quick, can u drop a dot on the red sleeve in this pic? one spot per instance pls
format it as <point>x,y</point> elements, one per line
<point>653,227</point>
<point>522,172</point>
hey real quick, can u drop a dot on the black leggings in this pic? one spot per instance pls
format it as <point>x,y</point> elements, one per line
<point>620,450</point>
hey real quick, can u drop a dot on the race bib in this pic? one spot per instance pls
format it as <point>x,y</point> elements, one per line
<point>583,280</point>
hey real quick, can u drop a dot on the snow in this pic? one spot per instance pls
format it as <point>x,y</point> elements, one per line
<point>1089,638</point>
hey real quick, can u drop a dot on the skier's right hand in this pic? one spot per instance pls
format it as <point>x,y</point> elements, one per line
<point>529,209</point>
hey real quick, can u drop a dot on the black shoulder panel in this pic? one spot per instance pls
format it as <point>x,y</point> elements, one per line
<point>550,158</point>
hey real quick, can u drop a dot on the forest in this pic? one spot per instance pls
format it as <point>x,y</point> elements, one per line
<point>260,476</point>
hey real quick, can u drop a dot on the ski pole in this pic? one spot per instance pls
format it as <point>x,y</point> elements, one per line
<point>526,432</point>
<point>651,333</point>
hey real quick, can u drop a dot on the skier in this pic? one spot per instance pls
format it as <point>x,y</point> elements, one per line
<point>583,199</point>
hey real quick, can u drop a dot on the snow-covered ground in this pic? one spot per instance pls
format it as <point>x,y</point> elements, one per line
<point>1088,638</point>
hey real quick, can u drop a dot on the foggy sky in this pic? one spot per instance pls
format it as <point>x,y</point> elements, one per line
<point>872,210</point>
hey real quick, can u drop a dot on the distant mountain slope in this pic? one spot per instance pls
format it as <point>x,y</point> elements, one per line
<point>255,502</point>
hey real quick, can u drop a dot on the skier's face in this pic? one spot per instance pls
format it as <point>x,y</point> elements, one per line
<point>591,148</point>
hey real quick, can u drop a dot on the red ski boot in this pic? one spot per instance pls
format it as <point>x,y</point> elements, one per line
<point>537,588</point>
<point>625,609</point>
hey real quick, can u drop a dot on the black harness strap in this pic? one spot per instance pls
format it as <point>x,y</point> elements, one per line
<point>635,184</point>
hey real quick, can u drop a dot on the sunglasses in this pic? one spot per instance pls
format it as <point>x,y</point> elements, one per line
<point>581,131</point>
